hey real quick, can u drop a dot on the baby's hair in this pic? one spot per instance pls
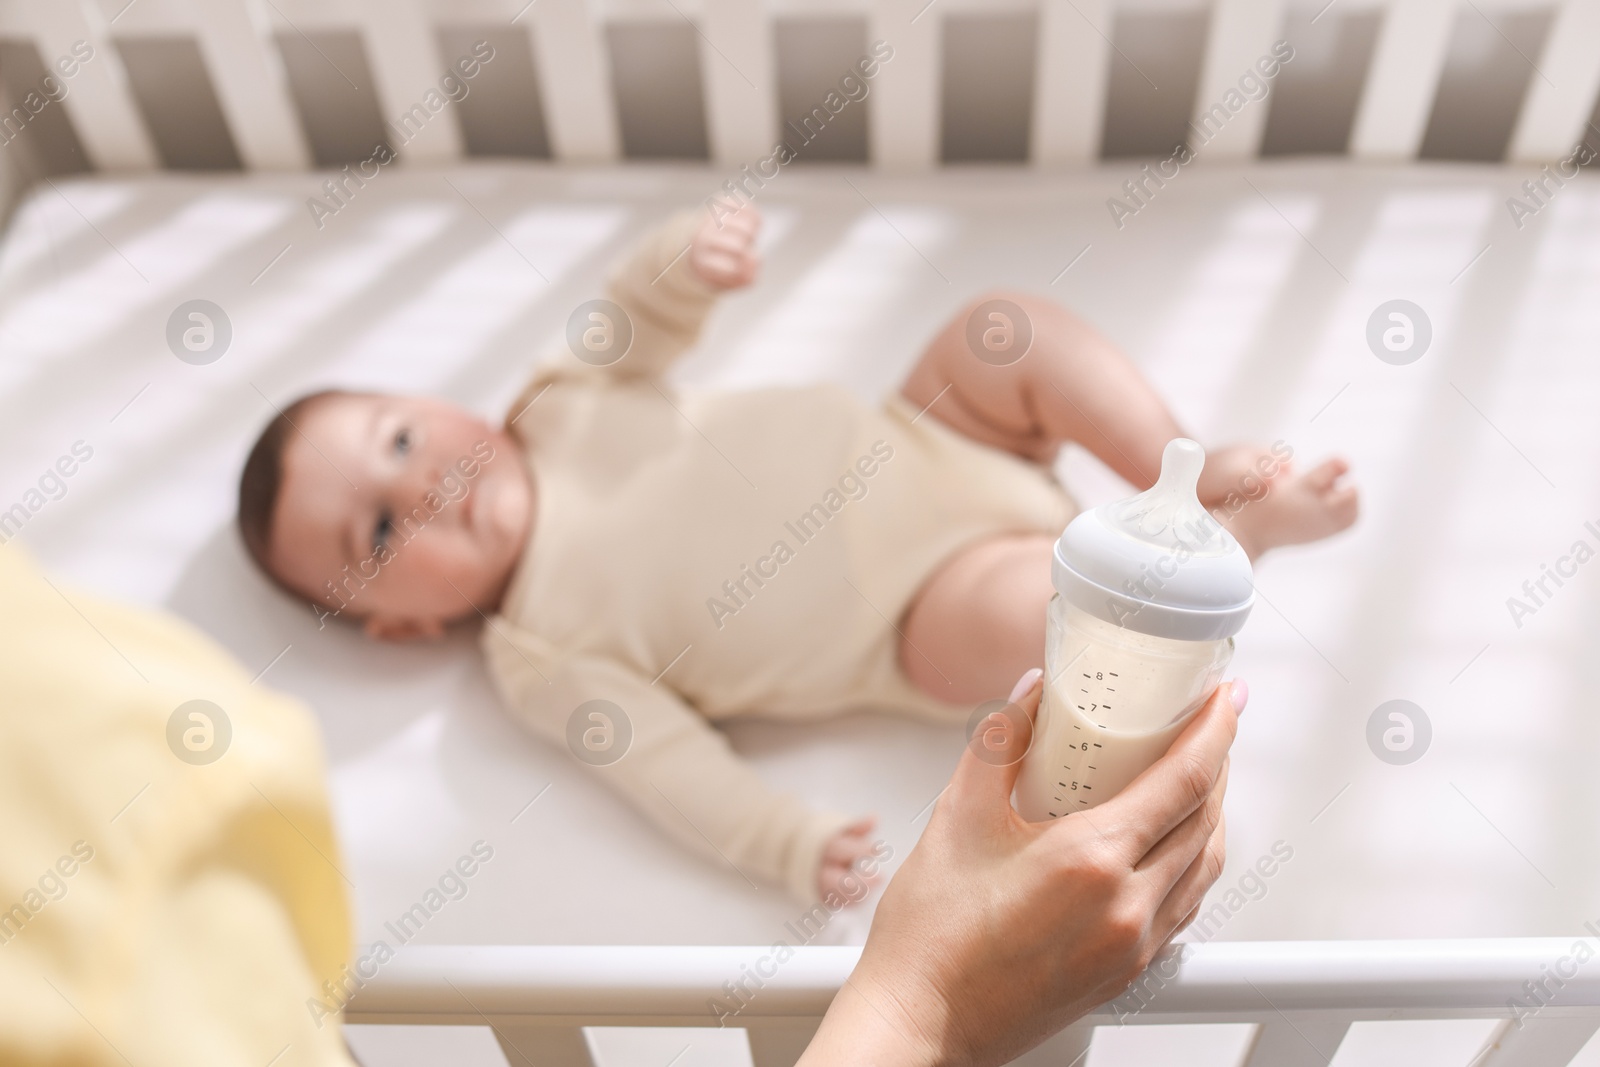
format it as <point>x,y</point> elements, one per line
<point>261,483</point>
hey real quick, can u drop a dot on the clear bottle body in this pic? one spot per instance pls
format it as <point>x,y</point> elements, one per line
<point>1114,701</point>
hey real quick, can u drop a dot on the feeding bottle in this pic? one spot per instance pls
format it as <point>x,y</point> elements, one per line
<point>1149,593</point>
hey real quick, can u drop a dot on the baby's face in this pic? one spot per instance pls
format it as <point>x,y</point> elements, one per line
<point>428,506</point>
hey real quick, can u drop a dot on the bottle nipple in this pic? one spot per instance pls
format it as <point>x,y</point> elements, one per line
<point>1169,513</point>
<point>1158,563</point>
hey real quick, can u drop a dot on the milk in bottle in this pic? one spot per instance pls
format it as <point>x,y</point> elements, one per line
<point>1149,593</point>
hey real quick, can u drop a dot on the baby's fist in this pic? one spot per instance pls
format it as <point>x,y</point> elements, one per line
<point>723,253</point>
<point>841,872</point>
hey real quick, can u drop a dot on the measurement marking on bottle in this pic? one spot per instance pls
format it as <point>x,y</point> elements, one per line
<point>1169,670</point>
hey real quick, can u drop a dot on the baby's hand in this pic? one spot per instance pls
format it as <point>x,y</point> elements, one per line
<point>723,252</point>
<point>839,873</point>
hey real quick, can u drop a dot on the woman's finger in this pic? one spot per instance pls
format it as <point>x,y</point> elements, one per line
<point>1179,782</point>
<point>1183,904</point>
<point>993,758</point>
<point>1163,865</point>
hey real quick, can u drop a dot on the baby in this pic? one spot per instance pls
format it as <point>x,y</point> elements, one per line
<point>650,560</point>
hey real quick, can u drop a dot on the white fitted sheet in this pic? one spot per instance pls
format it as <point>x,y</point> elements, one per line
<point>1243,292</point>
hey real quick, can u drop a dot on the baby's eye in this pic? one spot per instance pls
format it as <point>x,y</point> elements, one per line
<point>382,531</point>
<point>402,441</point>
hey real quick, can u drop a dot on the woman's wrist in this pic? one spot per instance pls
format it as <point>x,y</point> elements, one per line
<point>868,1026</point>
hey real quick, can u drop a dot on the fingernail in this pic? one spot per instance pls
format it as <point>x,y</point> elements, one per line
<point>1025,685</point>
<point>1239,693</point>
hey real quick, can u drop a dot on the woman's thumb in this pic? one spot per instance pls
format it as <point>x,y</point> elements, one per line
<point>998,736</point>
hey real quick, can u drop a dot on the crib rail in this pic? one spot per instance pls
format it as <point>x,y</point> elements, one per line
<point>1303,996</point>
<point>737,72</point>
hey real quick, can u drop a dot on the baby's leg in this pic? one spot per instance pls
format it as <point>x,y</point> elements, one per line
<point>1071,384</point>
<point>978,621</point>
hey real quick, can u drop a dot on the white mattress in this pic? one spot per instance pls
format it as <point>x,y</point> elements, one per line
<point>1243,293</point>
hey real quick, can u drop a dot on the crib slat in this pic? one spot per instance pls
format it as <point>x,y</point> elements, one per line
<point>1241,32</point>
<point>1402,79</point>
<point>1065,1049</point>
<point>407,66</point>
<point>738,71</point>
<point>904,123</point>
<point>574,81</point>
<point>1554,111</point>
<point>543,1046</point>
<point>251,86</point>
<point>1070,83</point>
<point>1297,1041</point>
<point>779,1043</point>
<point>100,104</point>
<point>1538,1042</point>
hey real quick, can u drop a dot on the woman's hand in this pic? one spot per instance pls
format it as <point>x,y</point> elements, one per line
<point>998,932</point>
<point>723,252</point>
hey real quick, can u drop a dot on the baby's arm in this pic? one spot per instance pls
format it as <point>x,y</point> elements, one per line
<point>676,769</point>
<point>669,284</point>
<point>665,288</point>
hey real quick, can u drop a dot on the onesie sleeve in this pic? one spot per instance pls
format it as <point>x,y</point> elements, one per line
<point>675,768</point>
<point>664,305</point>
<point>663,296</point>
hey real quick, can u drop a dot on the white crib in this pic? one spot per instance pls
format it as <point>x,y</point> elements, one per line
<point>1303,995</point>
<point>1070,60</point>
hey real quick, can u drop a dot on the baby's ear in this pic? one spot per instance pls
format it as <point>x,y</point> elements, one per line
<point>400,630</point>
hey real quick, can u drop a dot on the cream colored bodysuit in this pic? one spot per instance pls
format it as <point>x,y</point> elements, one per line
<point>698,556</point>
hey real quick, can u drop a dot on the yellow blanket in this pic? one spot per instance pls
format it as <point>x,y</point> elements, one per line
<point>170,890</point>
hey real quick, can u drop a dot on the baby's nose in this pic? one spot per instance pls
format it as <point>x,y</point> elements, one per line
<point>422,481</point>
<point>436,487</point>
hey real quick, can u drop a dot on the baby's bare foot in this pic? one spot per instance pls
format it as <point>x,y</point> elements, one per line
<point>1293,507</point>
<point>1278,506</point>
